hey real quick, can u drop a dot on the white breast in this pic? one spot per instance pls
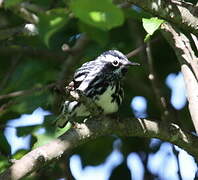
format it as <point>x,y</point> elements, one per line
<point>105,101</point>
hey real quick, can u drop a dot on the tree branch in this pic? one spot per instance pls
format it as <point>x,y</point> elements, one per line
<point>34,52</point>
<point>189,66</point>
<point>181,13</point>
<point>92,129</point>
<point>26,92</point>
<point>155,83</point>
<point>139,49</point>
<point>9,32</point>
<point>25,14</point>
<point>32,7</point>
<point>5,106</point>
<point>27,29</point>
<point>165,108</point>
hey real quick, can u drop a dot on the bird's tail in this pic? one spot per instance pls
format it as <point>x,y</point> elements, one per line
<point>68,112</point>
<point>72,111</point>
<point>63,118</point>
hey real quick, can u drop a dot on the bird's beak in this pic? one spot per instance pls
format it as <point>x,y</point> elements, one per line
<point>129,63</point>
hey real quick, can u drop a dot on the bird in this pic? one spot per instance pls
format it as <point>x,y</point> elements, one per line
<point>101,81</point>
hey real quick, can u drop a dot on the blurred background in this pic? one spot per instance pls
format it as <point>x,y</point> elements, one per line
<point>43,42</point>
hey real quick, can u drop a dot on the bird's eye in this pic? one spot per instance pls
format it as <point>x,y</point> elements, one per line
<point>115,63</point>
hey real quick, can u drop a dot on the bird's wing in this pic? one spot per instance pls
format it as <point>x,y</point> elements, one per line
<point>82,73</point>
<point>87,74</point>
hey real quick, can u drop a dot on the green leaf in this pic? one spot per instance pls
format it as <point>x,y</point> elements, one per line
<point>147,38</point>
<point>31,73</point>
<point>19,154</point>
<point>49,135</point>
<point>152,24</point>
<point>4,164</point>
<point>51,132</point>
<point>10,3</point>
<point>51,22</point>
<point>102,14</point>
<point>98,35</point>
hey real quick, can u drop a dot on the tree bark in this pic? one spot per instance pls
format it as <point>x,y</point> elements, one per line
<point>189,66</point>
<point>181,13</point>
<point>92,129</point>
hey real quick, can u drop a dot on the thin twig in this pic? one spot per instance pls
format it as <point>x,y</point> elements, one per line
<point>44,54</point>
<point>25,14</point>
<point>26,92</point>
<point>136,51</point>
<point>163,104</point>
<point>5,106</point>
<point>32,7</point>
<point>9,32</point>
<point>24,29</point>
<point>139,49</point>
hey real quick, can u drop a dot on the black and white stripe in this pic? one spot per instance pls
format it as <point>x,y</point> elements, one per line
<point>99,80</point>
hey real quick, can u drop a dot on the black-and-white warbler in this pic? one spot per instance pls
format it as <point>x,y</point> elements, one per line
<point>99,80</point>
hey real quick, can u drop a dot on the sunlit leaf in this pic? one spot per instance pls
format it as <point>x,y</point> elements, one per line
<point>102,14</point>
<point>19,154</point>
<point>152,24</point>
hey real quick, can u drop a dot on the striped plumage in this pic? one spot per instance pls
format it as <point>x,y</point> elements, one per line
<point>99,80</point>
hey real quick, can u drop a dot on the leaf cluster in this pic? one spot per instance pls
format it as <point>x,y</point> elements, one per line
<point>29,62</point>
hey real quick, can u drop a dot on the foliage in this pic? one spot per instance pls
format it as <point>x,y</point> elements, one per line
<point>33,62</point>
<point>151,25</point>
<point>100,14</point>
<point>50,22</point>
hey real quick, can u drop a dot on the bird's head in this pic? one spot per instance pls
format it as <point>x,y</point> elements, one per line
<point>116,62</point>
